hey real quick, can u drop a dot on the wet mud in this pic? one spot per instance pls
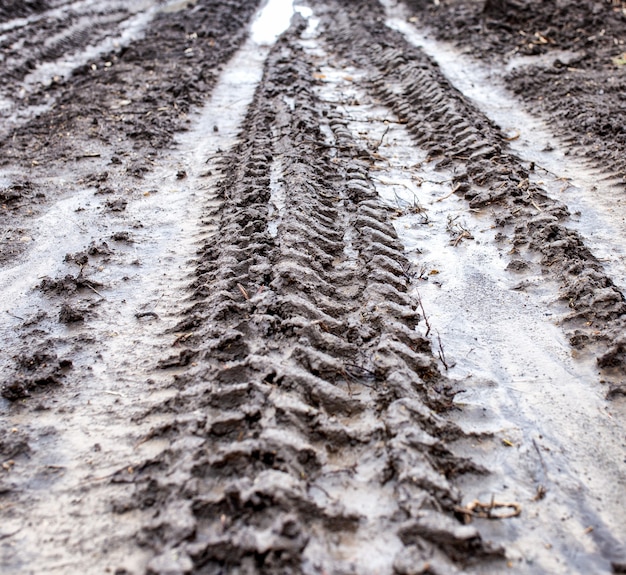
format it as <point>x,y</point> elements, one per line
<point>281,294</point>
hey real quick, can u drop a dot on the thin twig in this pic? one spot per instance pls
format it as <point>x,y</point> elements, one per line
<point>390,182</point>
<point>464,234</point>
<point>543,464</point>
<point>93,289</point>
<point>141,314</point>
<point>380,143</point>
<point>419,300</point>
<point>486,510</point>
<point>323,491</point>
<point>15,316</point>
<point>243,291</point>
<point>448,195</point>
<point>373,373</point>
<point>356,379</point>
<point>8,535</point>
<point>442,355</point>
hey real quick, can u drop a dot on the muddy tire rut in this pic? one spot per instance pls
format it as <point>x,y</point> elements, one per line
<point>290,306</point>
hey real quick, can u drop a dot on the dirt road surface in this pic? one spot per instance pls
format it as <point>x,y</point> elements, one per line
<point>322,287</point>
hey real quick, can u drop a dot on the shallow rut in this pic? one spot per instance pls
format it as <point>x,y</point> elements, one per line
<point>318,332</point>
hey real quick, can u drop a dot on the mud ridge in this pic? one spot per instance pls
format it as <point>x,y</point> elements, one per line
<point>71,32</point>
<point>111,116</point>
<point>20,8</point>
<point>98,243</point>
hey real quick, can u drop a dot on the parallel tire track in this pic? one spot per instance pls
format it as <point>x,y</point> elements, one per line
<point>308,431</point>
<point>114,113</point>
<point>311,390</point>
<point>486,174</point>
<point>23,50</point>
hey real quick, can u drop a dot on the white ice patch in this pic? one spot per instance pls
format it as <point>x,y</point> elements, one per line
<point>277,197</point>
<point>272,21</point>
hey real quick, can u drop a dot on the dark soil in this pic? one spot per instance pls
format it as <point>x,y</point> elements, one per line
<point>120,107</point>
<point>138,95</point>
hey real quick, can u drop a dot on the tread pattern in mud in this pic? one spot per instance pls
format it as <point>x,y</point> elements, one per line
<point>486,174</point>
<point>117,109</point>
<point>55,34</point>
<point>312,392</point>
<point>309,431</point>
<point>63,36</point>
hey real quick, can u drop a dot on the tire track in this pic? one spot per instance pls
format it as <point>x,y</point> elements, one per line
<point>24,51</point>
<point>80,369</point>
<point>108,121</point>
<point>142,94</point>
<point>606,535</point>
<point>301,421</point>
<point>310,424</point>
<point>521,385</point>
<point>487,175</point>
<point>18,8</point>
<point>46,50</point>
<point>596,211</point>
<point>547,78</point>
